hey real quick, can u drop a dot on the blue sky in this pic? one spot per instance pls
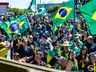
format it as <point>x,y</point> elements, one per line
<point>25,3</point>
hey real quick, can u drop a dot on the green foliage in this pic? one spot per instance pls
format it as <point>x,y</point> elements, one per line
<point>18,11</point>
<point>53,9</point>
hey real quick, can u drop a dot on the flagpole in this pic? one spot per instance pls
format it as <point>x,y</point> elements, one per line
<point>28,22</point>
<point>74,25</point>
<point>74,12</point>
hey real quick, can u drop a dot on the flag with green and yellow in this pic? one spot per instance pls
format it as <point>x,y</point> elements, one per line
<point>64,13</point>
<point>89,13</point>
<point>18,25</point>
<point>41,10</point>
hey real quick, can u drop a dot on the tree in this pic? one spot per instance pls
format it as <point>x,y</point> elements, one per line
<point>18,11</point>
<point>53,9</point>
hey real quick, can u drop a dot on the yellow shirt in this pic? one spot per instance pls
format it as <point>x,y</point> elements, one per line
<point>3,52</point>
<point>94,67</point>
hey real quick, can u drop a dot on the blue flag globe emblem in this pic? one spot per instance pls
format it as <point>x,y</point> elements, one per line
<point>14,27</point>
<point>39,10</point>
<point>63,12</point>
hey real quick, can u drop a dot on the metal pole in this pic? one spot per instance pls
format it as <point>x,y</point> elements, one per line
<point>74,25</point>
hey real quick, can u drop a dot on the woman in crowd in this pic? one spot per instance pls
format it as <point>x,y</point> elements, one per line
<point>82,58</point>
<point>72,64</point>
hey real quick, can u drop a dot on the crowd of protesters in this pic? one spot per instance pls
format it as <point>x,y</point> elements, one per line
<point>69,47</point>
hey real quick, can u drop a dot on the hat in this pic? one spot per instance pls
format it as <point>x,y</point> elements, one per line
<point>70,36</point>
<point>47,33</point>
<point>37,33</point>
<point>77,37</point>
<point>39,52</point>
<point>2,44</point>
<point>2,36</point>
<point>30,36</point>
<point>84,47</point>
<point>55,37</point>
<point>90,37</point>
<point>61,58</point>
<point>92,54</point>
<point>16,54</point>
<point>66,43</point>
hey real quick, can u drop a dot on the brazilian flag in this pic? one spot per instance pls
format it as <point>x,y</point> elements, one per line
<point>41,10</point>
<point>64,13</point>
<point>51,54</point>
<point>18,25</point>
<point>89,13</point>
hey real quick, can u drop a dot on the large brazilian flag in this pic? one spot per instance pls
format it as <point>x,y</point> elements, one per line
<point>89,13</point>
<point>18,25</point>
<point>64,13</point>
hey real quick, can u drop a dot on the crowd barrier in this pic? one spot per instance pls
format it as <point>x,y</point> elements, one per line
<point>14,66</point>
